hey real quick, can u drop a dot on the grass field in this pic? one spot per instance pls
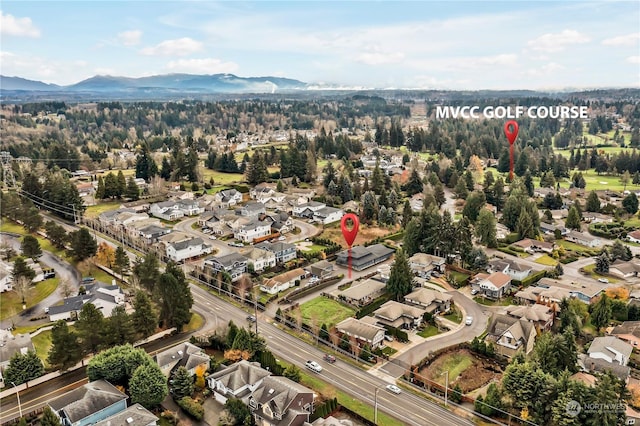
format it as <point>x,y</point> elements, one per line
<point>95,211</point>
<point>591,269</point>
<point>12,301</point>
<point>30,328</point>
<point>459,276</point>
<point>455,315</point>
<point>546,260</point>
<point>42,344</point>
<point>45,245</point>
<point>428,331</point>
<point>220,178</point>
<point>455,364</point>
<point>195,324</point>
<point>325,310</point>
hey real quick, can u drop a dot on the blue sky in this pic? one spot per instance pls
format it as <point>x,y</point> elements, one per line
<point>382,44</point>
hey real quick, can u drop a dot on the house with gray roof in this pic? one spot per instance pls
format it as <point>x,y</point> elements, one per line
<point>328,215</point>
<point>238,380</point>
<point>363,293</point>
<point>364,257</point>
<point>430,300</point>
<point>541,316</point>
<point>628,331</point>
<point>582,239</point>
<point>362,332</point>
<point>599,365</point>
<point>11,345</point>
<point>423,264</point>
<point>611,349</point>
<point>514,269</point>
<point>253,230</point>
<point>187,249</point>
<point>510,335</point>
<point>279,401</point>
<point>103,296</point>
<point>89,404</point>
<point>228,197</point>
<point>151,233</point>
<point>251,209</point>
<point>623,269</point>
<point>136,415</point>
<point>184,355</point>
<point>398,315</point>
<point>284,251</point>
<point>320,269</point>
<point>233,264</point>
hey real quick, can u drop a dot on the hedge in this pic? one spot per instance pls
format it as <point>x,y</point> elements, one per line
<point>401,335</point>
<point>530,279</point>
<point>366,310</point>
<point>191,407</point>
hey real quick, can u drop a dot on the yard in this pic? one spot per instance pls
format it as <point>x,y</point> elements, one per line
<point>220,178</point>
<point>42,344</point>
<point>194,324</point>
<point>581,250</point>
<point>324,310</point>
<point>546,260</point>
<point>12,301</point>
<point>454,315</point>
<point>428,331</point>
<point>505,301</point>
<point>464,368</point>
<point>459,277</point>
<point>98,209</point>
<point>591,271</point>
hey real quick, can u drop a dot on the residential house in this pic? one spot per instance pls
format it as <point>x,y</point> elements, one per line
<point>228,197</point>
<point>187,249</point>
<point>544,295</point>
<point>11,345</point>
<point>151,233</point>
<point>611,349</point>
<point>136,415</point>
<point>541,316</point>
<point>364,257</point>
<point>363,293</point>
<point>423,264</point>
<point>628,331</point>
<point>253,230</point>
<point>233,264</point>
<point>206,219</point>
<point>262,189</point>
<point>259,259</point>
<point>6,279</point>
<point>85,188</point>
<point>166,210</point>
<point>238,380</point>
<point>271,199</point>
<point>623,269</point>
<point>112,217</point>
<point>501,231</point>
<point>362,332</point>
<point>430,300</point>
<point>186,355</point>
<point>180,195</point>
<point>320,269</point>
<point>582,239</point>
<point>283,281</point>
<point>634,236</point>
<point>550,229</point>
<point>89,404</point>
<point>534,246</point>
<point>251,209</point>
<point>279,401</point>
<point>280,222</point>
<point>328,215</point>
<point>495,285</point>
<point>284,252</point>
<point>351,206</point>
<point>510,335</point>
<point>599,365</point>
<point>308,210</point>
<point>594,217</point>
<point>103,296</point>
<point>399,315</point>
<point>416,202</point>
<point>515,270</point>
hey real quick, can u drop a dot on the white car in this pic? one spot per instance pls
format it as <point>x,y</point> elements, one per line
<point>469,320</point>
<point>314,366</point>
<point>394,389</point>
<point>603,280</point>
<point>282,238</point>
<point>213,237</point>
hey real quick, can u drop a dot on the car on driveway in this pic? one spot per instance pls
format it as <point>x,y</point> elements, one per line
<point>329,358</point>
<point>394,389</point>
<point>469,320</point>
<point>314,366</point>
<point>474,291</point>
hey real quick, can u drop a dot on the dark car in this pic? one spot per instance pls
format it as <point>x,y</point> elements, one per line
<point>251,318</point>
<point>330,358</point>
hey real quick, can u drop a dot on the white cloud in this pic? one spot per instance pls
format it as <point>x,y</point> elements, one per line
<point>178,47</point>
<point>633,59</point>
<point>10,25</point>
<point>130,38</point>
<point>556,42</point>
<point>625,40</point>
<point>201,66</point>
<point>380,58</point>
<point>544,70</point>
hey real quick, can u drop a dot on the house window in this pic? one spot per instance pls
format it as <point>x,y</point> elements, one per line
<point>253,404</point>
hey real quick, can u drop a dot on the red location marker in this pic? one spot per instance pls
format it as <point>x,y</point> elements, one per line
<point>350,234</point>
<point>511,131</point>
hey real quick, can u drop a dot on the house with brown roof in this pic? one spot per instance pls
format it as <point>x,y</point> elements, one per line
<point>279,401</point>
<point>423,264</point>
<point>623,269</point>
<point>398,315</point>
<point>362,332</point>
<point>534,246</point>
<point>541,316</point>
<point>634,236</point>
<point>283,281</point>
<point>238,380</point>
<point>510,335</point>
<point>184,355</point>
<point>628,331</point>
<point>430,300</point>
<point>363,293</point>
<point>495,285</point>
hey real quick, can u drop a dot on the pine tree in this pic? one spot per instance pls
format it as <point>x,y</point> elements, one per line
<point>121,184</point>
<point>573,219</point>
<point>593,202</point>
<point>414,184</point>
<point>400,282</point>
<point>100,191</point>
<point>524,226</point>
<point>182,383</point>
<point>49,418</point>
<point>132,192</point>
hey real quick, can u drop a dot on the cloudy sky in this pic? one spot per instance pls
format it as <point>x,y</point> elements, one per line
<point>381,44</point>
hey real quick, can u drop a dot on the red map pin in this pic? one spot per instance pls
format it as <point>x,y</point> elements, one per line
<point>511,131</point>
<point>350,234</point>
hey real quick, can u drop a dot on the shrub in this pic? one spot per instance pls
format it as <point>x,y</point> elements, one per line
<point>191,407</point>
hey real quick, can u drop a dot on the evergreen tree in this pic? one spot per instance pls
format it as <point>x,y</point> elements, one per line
<point>620,251</point>
<point>121,263</point>
<point>121,184</point>
<point>101,191</point>
<point>132,192</point>
<point>174,297</point>
<point>377,179</point>
<point>182,383</point>
<point>167,169</point>
<point>257,170</point>
<point>30,247</point>
<point>146,167</point>
<point>474,205</point>
<point>145,320</point>
<point>21,269</point>
<point>528,183</point>
<point>601,312</point>
<point>147,271</point>
<point>593,202</point>
<point>486,229</point>
<point>83,245</point>
<point>630,203</point>
<point>524,227</point>
<point>23,367</point>
<point>148,386</point>
<point>400,282</point>
<point>573,219</point>
<point>56,234</point>
<point>414,184</point>
<point>118,328</point>
<point>407,213</point>
<point>90,326</point>
<point>49,418</point>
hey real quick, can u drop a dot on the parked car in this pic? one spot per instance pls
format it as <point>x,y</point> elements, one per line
<point>394,389</point>
<point>469,320</point>
<point>388,338</point>
<point>251,318</point>
<point>329,358</point>
<point>282,238</point>
<point>603,280</point>
<point>474,291</point>
<point>314,366</point>
<point>46,310</point>
<point>313,280</point>
<point>212,237</point>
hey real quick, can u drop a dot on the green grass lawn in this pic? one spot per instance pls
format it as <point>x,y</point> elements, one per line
<point>8,226</point>
<point>42,344</point>
<point>30,328</point>
<point>220,178</point>
<point>429,331</point>
<point>99,275</point>
<point>95,211</point>
<point>591,269</point>
<point>455,364</point>
<point>195,324</point>
<point>388,350</point>
<point>313,248</point>
<point>12,301</point>
<point>325,310</point>
<point>455,315</point>
<point>546,260</point>
<point>459,276</point>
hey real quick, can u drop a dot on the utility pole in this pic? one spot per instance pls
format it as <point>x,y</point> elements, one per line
<point>18,397</point>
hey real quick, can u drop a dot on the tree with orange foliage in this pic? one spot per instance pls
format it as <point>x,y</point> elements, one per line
<point>106,254</point>
<point>619,293</point>
<point>236,355</point>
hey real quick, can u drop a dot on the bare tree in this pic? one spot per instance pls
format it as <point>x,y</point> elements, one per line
<point>66,289</point>
<point>157,186</point>
<point>22,285</point>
